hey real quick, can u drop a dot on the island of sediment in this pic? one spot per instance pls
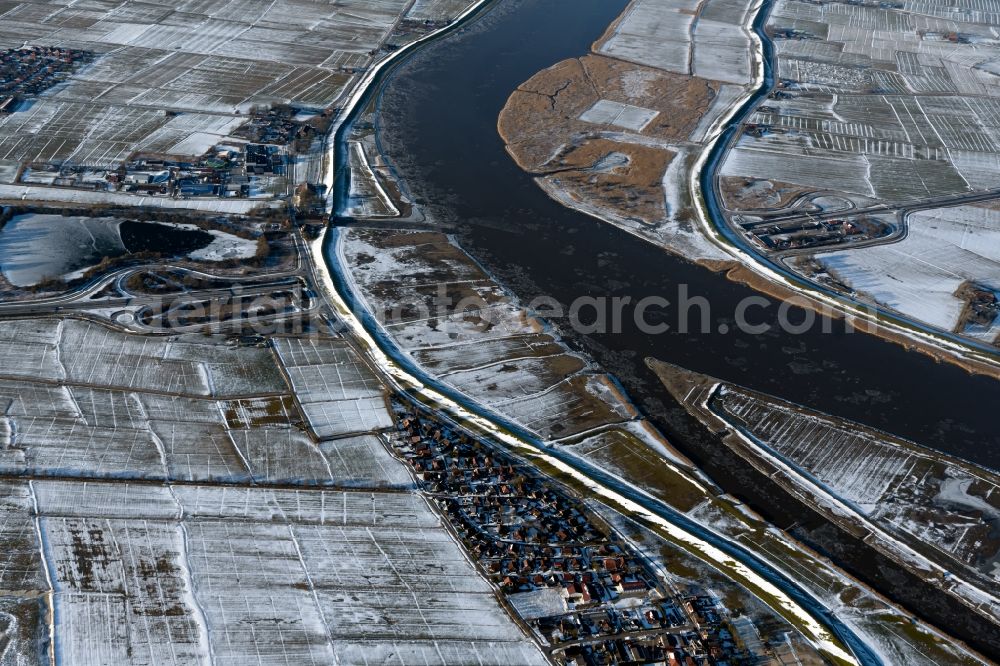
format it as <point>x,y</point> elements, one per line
<point>616,133</point>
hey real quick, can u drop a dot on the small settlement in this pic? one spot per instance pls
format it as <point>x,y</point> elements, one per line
<point>812,232</point>
<point>244,171</point>
<point>586,595</point>
<point>28,71</point>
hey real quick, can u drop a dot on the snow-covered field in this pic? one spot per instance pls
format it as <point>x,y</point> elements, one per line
<point>78,431</point>
<point>861,469</point>
<point>721,49</point>
<point>482,342</point>
<point>339,394</point>
<point>182,408</point>
<point>191,365</point>
<point>908,112</point>
<point>177,83</point>
<point>948,505</point>
<point>152,436</point>
<point>363,461</point>
<point>649,36</point>
<point>626,116</point>
<point>845,173</point>
<point>920,275</point>
<point>251,559</point>
<point>207,575</point>
<point>671,38</point>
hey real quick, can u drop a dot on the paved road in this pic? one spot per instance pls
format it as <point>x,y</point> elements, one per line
<point>888,207</point>
<point>81,302</point>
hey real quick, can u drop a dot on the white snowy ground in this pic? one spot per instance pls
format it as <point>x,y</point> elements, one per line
<point>225,246</point>
<point>948,505</point>
<point>206,575</point>
<point>339,394</point>
<point>79,399</point>
<point>667,36</point>
<point>844,173</point>
<point>228,567</point>
<point>494,350</point>
<point>920,274</point>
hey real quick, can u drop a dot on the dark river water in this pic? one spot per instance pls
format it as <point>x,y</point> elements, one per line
<point>438,127</point>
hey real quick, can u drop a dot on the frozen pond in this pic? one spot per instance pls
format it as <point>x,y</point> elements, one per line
<point>36,247</point>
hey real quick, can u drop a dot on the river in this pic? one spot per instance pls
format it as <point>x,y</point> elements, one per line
<point>438,127</point>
